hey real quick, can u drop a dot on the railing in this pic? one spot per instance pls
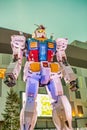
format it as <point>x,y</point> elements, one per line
<point>85,128</point>
<point>73,129</point>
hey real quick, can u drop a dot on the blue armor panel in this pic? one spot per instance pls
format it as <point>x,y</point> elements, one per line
<point>32,44</point>
<point>43,51</point>
<point>51,45</point>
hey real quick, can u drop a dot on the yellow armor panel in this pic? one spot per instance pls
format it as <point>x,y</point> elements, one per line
<point>54,67</point>
<point>33,44</point>
<point>35,67</point>
<point>40,39</point>
<point>50,45</point>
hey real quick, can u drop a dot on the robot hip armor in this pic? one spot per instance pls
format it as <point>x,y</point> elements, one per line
<point>41,71</point>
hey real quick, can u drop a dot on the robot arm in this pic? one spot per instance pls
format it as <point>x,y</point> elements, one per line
<point>13,70</point>
<point>68,74</point>
<point>61,45</point>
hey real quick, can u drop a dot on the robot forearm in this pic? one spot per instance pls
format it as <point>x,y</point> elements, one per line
<point>12,73</point>
<point>13,70</point>
<point>67,71</point>
<point>69,76</point>
<point>61,57</point>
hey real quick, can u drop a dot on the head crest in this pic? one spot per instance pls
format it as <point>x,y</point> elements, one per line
<point>40,26</point>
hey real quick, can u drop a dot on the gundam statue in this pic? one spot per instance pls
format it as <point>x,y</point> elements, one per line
<point>40,70</point>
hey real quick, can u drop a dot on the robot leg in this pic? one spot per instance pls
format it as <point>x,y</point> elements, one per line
<point>62,115</point>
<point>22,123</point>
<point>29,114</point>
<point>21,119</point>
<point>34,119</point>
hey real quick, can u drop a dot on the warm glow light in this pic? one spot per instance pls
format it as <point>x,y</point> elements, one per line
<point>73,113</point>
<point>2,72</point>
<point>80,115</point>
<point>43,105</point>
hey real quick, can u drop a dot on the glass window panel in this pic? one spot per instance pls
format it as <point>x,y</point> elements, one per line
<point>77,94</point>
<point>0,87</point>
<point>80,109</point>
<point>86,81</point>
<point>75,71</point>
<point>6,59</point>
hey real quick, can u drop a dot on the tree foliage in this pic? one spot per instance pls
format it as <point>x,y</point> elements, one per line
<point>11,111</point>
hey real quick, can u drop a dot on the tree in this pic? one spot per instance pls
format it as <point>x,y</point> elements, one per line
<point>11,112</point>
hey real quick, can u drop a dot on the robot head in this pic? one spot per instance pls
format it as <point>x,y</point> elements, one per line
<point>40,32</point>
<point>61,43</point>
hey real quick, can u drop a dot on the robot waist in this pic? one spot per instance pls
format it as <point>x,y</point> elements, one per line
<point>38,66</point>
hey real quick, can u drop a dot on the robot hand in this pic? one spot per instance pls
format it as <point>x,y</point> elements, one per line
<point>73,85</point>
<point>10,81</point>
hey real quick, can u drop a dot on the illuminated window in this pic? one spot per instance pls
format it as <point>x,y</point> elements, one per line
<point>44,108</point>
<point>2,72</point>
<point>0,87</point>
<point>73,108</point>
<point>78,95</point>
<point>80,110</point>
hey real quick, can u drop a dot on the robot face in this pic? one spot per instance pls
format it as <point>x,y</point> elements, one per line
<point>61,43</point>
<point>40,32</point>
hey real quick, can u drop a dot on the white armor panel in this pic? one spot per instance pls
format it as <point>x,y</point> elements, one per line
<point>18,41</point>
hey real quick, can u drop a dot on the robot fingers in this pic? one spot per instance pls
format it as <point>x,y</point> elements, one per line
<point>73,85</point>
<point>10,80</point>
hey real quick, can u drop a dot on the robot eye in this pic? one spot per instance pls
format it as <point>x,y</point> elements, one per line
<point>39,31</point>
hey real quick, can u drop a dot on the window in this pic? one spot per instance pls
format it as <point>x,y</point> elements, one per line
<point>2,72</point>
<point>63,82</point>
<point>80,81</point>
<point>77,94</point>
<point>80,110</point>
<point>0,87</point>
<point>73,108</point>
<point>75,71</point>
<point>6,59</point>
<point>86,81</point>
<point>77,82</point>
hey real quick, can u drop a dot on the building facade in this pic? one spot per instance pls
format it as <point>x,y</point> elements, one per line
<point>77,99</point>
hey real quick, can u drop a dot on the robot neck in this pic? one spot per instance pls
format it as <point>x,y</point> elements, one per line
<point>40,38</point>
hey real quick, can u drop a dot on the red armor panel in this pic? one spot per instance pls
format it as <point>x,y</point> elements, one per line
<point>33,55</point>
<point>50,55</point>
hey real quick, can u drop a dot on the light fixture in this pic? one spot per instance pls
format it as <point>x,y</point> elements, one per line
<point>2,72</point>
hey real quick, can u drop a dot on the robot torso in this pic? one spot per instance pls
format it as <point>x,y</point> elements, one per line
<point>40,50</point>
